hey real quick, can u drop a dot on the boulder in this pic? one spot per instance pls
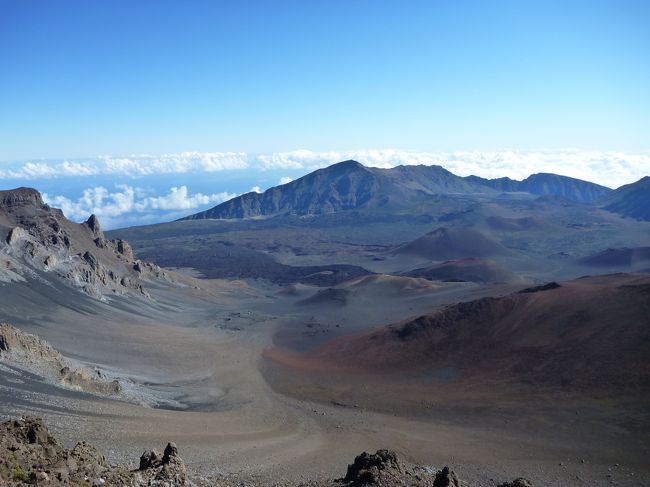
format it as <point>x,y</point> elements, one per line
<point>15,235</point>
<point>368,469</point>
<point>446,478</point>
<point>123,248</point>
<point>520,482</point>
<point>150,459</point>
<point>171,452</point>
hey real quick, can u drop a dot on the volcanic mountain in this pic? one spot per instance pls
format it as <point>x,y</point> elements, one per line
<point>344,186</point>
<point>631,200</point>
<point>547,336</point>
<point>350,185</point>
<point>452,243</point>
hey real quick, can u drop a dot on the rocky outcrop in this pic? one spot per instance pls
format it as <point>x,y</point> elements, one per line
<point>373,468</point>
<point>93,224</point>
<point>20,196</point>
<point>37,239</point>
<point>520,482</point>
<point>35,354</point>
<point>169,466</point>
<point>29,454</point>
<point>124,249</point>
<point>16,235</point>
<point>385,469</point>
<point>446,478</point>
<point>21,347</point>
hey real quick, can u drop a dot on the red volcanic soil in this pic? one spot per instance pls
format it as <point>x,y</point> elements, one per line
<point>471,269</point>
<point>590,335</point>
<point>452,243</point>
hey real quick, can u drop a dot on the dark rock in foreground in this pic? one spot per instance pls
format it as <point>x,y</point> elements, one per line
<point>372,469</point>
<point>446,478</point>
<point>384,468</point>
<point>29,454</point>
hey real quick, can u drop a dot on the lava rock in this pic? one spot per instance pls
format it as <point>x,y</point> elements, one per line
<point>446,478</point>
<point>520,482</point>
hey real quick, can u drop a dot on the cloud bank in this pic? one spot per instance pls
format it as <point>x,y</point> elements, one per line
<point>611,169</point>
<point>608,168</point>
<point>112,206</point>
<point>127,203</point>
<point>132,166</point>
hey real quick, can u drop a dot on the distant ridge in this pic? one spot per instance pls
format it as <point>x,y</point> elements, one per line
<point>349,185</point>
<point>631,200</point>
<point>549,184</point>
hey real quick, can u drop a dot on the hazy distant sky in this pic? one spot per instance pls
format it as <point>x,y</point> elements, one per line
<point>84,78</point>
<point>142,111</point>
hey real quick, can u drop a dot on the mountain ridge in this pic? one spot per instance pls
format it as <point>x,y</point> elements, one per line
<point>349,185</point>
<point>631,200</point>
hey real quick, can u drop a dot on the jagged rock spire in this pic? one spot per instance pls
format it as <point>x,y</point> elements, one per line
<point>95,227</point>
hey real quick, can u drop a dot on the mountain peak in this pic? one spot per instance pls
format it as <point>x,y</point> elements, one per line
<point>643,181</point>
<point>349,165</point>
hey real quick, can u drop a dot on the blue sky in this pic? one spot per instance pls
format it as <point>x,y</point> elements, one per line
<point>81,78</point>
<point>132,79</point>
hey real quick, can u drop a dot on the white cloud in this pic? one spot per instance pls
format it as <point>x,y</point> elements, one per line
<point>132,166</point>
<point>256,189</point>
<point>609,168</point>
<point>285,180</point>
<point>127,200</point>
<point>180,199</point>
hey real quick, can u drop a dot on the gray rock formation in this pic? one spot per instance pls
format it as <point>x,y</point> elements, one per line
<point>29,454</point>
<point>446,478</point>
<point>38,356</point>
<point>385,469</point>
<point>38,242</point>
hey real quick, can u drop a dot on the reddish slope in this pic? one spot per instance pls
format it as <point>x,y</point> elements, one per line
<point>588,334</point>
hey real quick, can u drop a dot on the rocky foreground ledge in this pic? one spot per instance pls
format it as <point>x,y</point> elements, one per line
<point>30,455</point>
